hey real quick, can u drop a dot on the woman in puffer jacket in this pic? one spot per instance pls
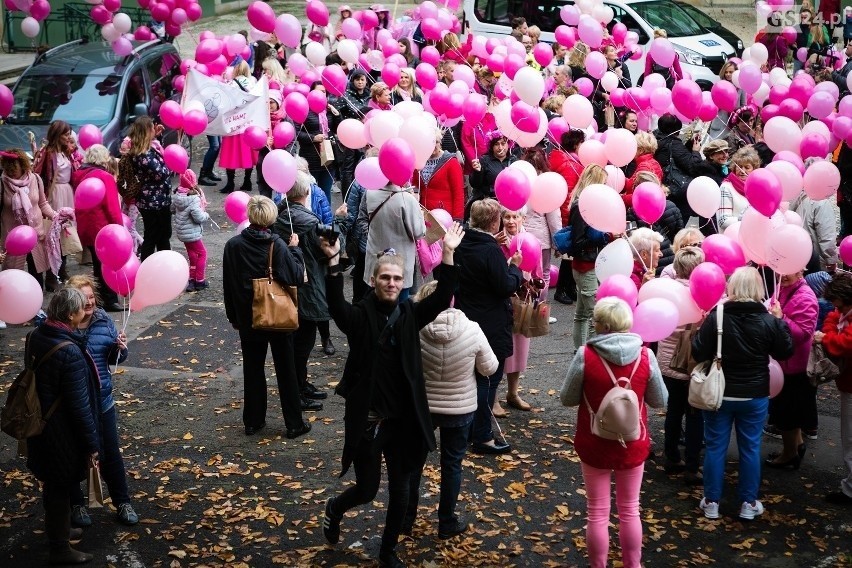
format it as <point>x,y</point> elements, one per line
<point>452,347</point>
<point>188,205</point>
<point>677,383</point>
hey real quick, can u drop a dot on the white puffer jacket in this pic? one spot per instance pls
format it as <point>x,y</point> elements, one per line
<point>452,347</point>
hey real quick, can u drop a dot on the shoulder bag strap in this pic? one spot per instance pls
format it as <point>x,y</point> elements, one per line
<point>269,262</point>
<point>382,204</point>
<point>719,314</point>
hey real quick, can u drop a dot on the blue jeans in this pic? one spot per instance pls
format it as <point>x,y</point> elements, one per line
<point>324,180</point>
<point>214,143</point>
<point>111,463</point>
<point>486,394</point>
<point>748,416</point>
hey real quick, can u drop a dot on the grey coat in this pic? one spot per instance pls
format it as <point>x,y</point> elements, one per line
<point>188,216</point>
<point>398,224</point>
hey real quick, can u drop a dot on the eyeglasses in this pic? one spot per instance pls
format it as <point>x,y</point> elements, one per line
<point>696,245</point>
<point>386,252</point>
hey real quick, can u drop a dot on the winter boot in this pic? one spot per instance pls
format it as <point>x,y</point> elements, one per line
<point>229,186</point>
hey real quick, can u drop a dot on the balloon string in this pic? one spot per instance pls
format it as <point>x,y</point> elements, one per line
<point>645,266</point>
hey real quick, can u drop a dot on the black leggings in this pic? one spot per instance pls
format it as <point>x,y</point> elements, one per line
<point>158,231</point>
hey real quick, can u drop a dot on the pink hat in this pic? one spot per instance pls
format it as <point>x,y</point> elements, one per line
<point>378,8</point>
<point>275,95</point>
<point>187,181</point>
<point>345,8</point>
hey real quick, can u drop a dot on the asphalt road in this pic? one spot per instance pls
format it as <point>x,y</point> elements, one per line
<point>209,496</point>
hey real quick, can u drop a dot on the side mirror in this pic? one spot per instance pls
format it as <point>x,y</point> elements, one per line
<point>139,109</point>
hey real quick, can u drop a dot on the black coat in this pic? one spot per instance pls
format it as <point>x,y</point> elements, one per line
<point>351,103</point>
<point>486,284</point>
<point>308,149</point>
<point>482,181</point>
<point>296,218</point>
<point>672,146</point>
<point>710,169</point>
<point>60,453</point>
<point>359,321</point>
<point>750,335</point>
<point>586,242</point>
<point>669,223</point>
<point>245,258</point>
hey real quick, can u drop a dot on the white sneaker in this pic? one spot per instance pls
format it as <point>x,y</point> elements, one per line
<point>711,510</point>
<point>551,320</point>
<point>749,511</point>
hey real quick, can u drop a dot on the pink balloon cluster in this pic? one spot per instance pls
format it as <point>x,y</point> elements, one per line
<point>36,12</point>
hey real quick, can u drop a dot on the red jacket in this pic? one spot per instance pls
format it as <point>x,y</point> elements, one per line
<point>90,221</point>
<point>594,450</point>
<point>475,140</point>
<point>445,189</point>
<point>568,166</point>
<point>644,163</point>
<point>839,344</point>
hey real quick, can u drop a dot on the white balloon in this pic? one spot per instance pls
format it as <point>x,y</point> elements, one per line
<point>758,53</point>
<point>407,109</point>
<point>761,94</point>
<point>385,125</point>
<point>31,28</point>
<point>315,52</point>
<point>609,81</point>
<point>254,33</point>
<point>704,196</point>
<point>414,131</point>
<point>746,56</point>
<point>777,76</point>
<point>348,50</point>
<point>603,14</point>
<point>614,258</point>
<point>122,22</point>
<point>529,85</point>
<point>109,32</point>
<point>527,168</point>
<point>735,78</point>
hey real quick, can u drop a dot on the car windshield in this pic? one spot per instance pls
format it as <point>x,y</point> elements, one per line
<point>700,17</point>
<point>76,99</point>
<point>668,16</point>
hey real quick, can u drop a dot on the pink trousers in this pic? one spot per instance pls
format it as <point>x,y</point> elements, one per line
<point>598,498</point>
<point>197,253</point>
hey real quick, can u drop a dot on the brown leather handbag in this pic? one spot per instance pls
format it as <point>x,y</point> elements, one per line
<point>274,307</point>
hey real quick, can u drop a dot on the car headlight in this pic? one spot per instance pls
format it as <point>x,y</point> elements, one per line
<point>689,56</point>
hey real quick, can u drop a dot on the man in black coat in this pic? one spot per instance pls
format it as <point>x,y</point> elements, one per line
<point>486,285</point>
<point>386,408</point>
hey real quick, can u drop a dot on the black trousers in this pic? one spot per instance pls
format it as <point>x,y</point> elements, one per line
<point>359,287</point>
<point>254,346</point>
<point>158,231</point>
<point>393,439</point>
<point>304,340</point>
<point>566,282</point>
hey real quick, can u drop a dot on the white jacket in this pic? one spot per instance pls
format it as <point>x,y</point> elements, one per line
<point>452,346</point>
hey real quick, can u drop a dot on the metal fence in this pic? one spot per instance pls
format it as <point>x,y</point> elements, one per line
<point>72,21</point>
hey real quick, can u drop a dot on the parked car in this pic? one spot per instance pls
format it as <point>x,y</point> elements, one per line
<point>84,82</point>
<point>702,52</point>
<point>712,25</point>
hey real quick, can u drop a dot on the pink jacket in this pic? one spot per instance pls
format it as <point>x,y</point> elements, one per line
<point>800,309</point>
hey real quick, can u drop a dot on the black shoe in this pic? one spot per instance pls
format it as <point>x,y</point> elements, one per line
<point>839,498</point>
<point>328,347</point>
<point>214,176</point>
<point>693,478</point>
<point>792,463</point>
<point>674,467</point>
<point>311,405</point>
<point>331,524</point>
<point>251,430</point>
<point>114,307</point>
<point>205,178</point>
<point>390,560</point>
<point>563,298</point>
<point>455,528</point>
<point>201,285</point>
<point>301,431</point>
<point>227,188</point>
<point>496,448</point>
<point>313,393</point>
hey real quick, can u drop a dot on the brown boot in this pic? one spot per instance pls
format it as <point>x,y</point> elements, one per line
<point>57,524</point>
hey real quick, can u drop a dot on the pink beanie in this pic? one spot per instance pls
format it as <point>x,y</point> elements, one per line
<point>187,181</point>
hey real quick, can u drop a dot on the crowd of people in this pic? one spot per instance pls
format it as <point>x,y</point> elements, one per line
<point>430,323</point>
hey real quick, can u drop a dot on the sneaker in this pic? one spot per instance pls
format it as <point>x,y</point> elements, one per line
<point>454,528</point>
<point>749,511</point>
<point>809,434</point>
<point>126,514</point>
<point>563,298</point>
<point>772,431</point>
<point>201,285</point>
<point>2,324</point>
<point>80,516</point>
<point>711,510</point>
<point>330,524</point>
<point>551,320</point>
<point>190,286</point>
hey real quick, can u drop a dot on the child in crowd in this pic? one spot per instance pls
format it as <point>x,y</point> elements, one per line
<point>188,206</point>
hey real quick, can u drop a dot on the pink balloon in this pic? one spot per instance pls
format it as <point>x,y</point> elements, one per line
<point>317,13</point>
<point>209,49</point>
<point>637,99</point>
<point>161,278</point>
<point>724,252</point>
<point>820,104</point>
<point>255,137</point>
<point>813,145</point>
<point>543,54</point>
<point>619,286</point>
<point>89,134</point>
<point>530,248</point>
<point>89,193</point>
<point>390,74</point>
<point>662,52</point>
<point>655,319</point>
<point>369,174</point>
<point>474,109</point>
<point>661,99</point>
<point>792,158</point>
<point>602,208</point>
<point>288,29</point>
<point>100,15</point>
<point>20,296</point>
<point>396,159</point>
<point>261,16</point>
<point>725,95</point>
<point>596,64</point>
<point>279,170</point>
<point>512,188</point>
<point>334,80</point>
<point>792,109</point>
<point>788,249</point>
<point>236,205</point>
<point>283,134</point>
<point>763,191</point>
<point>776,378</point>
<point>821,180</point>
<point>649,201</point>
<point>122,280</point>
<point>40,10</point>
<point>7,100</point>
<point>549,191</point>
<point>707,284</point>
<point>176,158</point>
<point>113,246</point>
<point>350,132</point>
<point>686,97</point>
<point>525,117</point>
<point>750,78</point>
<point>296,107</point>
<point>554,276</point>
<point>426,76</point>
<point>443,217</point>
<point>195,122</point>
<point>584,86</point>
<point>21,240</point>
<point>845,250</point>
<point>592,152</point>
<point>566,36</point>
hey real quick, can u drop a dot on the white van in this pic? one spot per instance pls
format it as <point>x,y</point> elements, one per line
<point>702,53</point>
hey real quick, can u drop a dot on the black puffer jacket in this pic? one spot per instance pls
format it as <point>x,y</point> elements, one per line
<point>669,223</point>
<point>486,285</point>
<point>710,169</point>
<point>750,335</point>
<point>351,103</point>
<point>672,147</point>
<point>482,181</point>
<point>308,149</point>
<point>244,259</point>
<point>59,454</point>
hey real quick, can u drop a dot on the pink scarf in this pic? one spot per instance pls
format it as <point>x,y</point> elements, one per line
<point>323,120</point>
<point>22,207</point>
<point>736,182</point>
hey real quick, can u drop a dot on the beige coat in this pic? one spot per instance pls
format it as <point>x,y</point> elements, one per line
<point>42,209</point>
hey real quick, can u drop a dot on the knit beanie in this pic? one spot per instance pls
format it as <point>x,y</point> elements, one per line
<point>818,281</point>
<point>187,181</point>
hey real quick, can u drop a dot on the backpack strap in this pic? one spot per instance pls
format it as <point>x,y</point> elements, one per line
<point>44,358</point>
<point>612,377</point>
